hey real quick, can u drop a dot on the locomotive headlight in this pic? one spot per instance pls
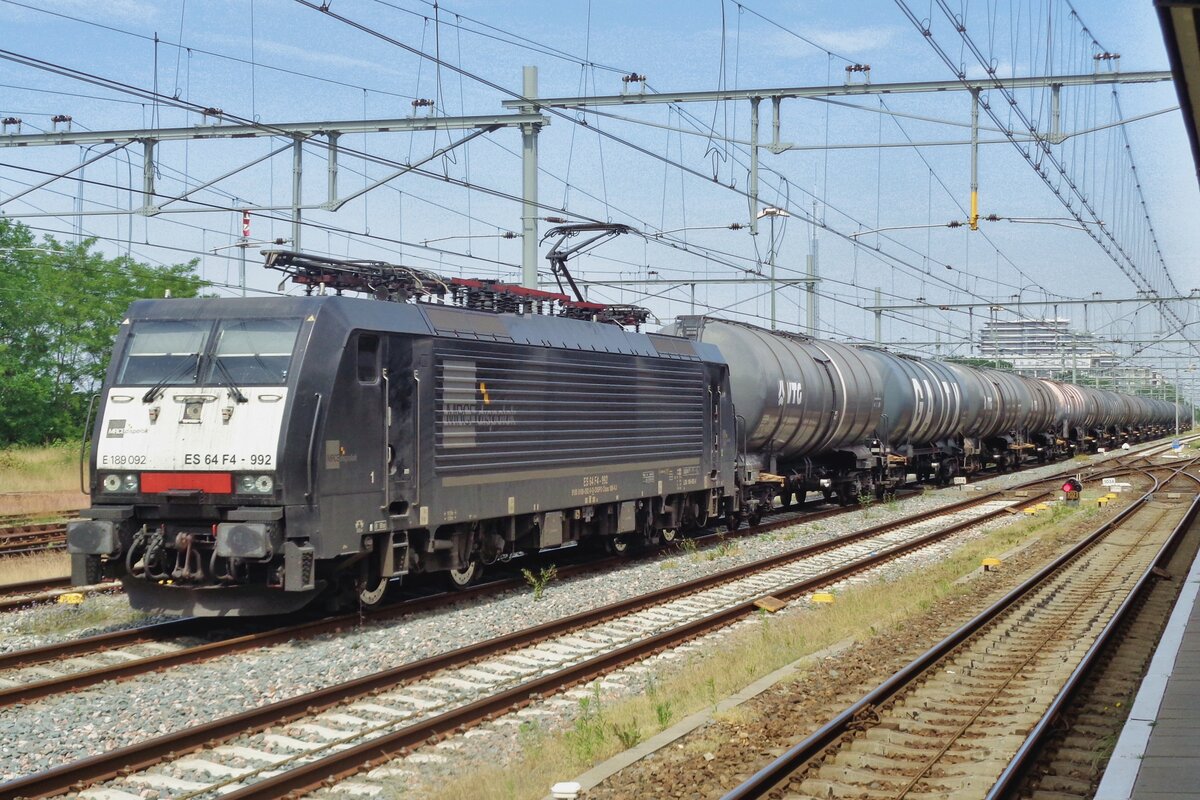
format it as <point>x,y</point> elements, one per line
<point>112,483</point>
<point>129,483</point>
<point>255,484</point>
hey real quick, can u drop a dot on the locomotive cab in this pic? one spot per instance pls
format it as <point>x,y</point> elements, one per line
<point>193,463</point>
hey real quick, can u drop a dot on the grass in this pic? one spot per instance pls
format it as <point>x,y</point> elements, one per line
<point>34,567</point>
<point>40,479</point>
<point>53,619</point>
<point>602,729</point>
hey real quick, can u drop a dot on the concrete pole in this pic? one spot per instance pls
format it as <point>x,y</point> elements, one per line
<point>147,176</point>
<point>331,174</point>
<point>752,189</point>
<point>297,183</point>
<point>771,256</point>
<point>529,185</point>
<point>974,218</point>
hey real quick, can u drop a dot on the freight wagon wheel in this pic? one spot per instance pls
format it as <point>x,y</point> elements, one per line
<point>469,575</point>
<point>618,545</point>
<point>668,535</point>
<point>371,596</point>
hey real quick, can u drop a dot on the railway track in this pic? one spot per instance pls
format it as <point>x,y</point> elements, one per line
<point>29,675</point>
<point>959,718</point>
<point>330,697</point>
<point>33,538</point>
<point>22,534</point>
<point>1067,755</point>
<point>338,729</point>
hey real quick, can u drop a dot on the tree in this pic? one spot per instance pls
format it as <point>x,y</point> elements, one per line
<point>61,306</point>
<point>984,363</point>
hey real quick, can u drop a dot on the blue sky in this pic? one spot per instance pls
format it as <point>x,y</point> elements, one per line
<point>278,61</point>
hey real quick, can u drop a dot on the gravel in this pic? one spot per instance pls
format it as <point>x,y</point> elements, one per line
<point>60,729</point>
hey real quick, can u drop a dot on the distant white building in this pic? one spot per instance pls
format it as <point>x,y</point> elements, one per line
<point>1044,348</point>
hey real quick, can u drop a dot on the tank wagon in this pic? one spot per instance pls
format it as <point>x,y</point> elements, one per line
<point>252,455</point>
<point>817,416</point>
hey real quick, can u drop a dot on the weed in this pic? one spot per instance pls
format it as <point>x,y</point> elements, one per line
<point>628,734</point>
<point>530,735</point>
<point>724,547</point>
<point>890,501</point>
<point>664,712</point>
<point>670,563</point>
<point>538,582</point>
<point>687,546</point>
<point>587,737</point>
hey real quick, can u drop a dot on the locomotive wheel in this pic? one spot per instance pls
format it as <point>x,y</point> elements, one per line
<point>469,575</point>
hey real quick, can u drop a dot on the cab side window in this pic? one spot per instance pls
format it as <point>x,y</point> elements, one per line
<point>368,358</point>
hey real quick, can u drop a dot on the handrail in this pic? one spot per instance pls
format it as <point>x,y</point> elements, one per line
<point>83,442</point>
<point>312,438</point>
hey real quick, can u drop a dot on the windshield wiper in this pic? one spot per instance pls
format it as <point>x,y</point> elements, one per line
<point>154,391</point>
<point>229,382</point>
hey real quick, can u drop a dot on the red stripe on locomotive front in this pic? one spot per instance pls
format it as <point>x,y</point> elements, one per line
<point>210,482</point>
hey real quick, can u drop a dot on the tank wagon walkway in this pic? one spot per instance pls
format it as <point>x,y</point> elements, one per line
<point>1158,754</point>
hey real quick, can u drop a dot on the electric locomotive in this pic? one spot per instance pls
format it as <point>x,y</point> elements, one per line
<point>252,454</point>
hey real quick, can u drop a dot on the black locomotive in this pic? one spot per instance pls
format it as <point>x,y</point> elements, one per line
<point>250,455</point>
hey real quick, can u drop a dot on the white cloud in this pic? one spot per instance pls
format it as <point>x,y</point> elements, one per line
<point>843,41</point>
<point>114,11</point>
<point>285,54</point>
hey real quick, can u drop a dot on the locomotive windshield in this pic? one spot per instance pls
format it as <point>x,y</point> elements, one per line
<point>254,351</point>
<point>184,352</point>
<point>164,352</point>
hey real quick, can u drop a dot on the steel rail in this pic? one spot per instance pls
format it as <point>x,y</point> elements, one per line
<point>768,777</point>
<point>238,643</point>
<point>124,670</point>
<point>1022,759</point>
<point>135,757</point>
<point>310,776</point>
<point>51,589</point>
